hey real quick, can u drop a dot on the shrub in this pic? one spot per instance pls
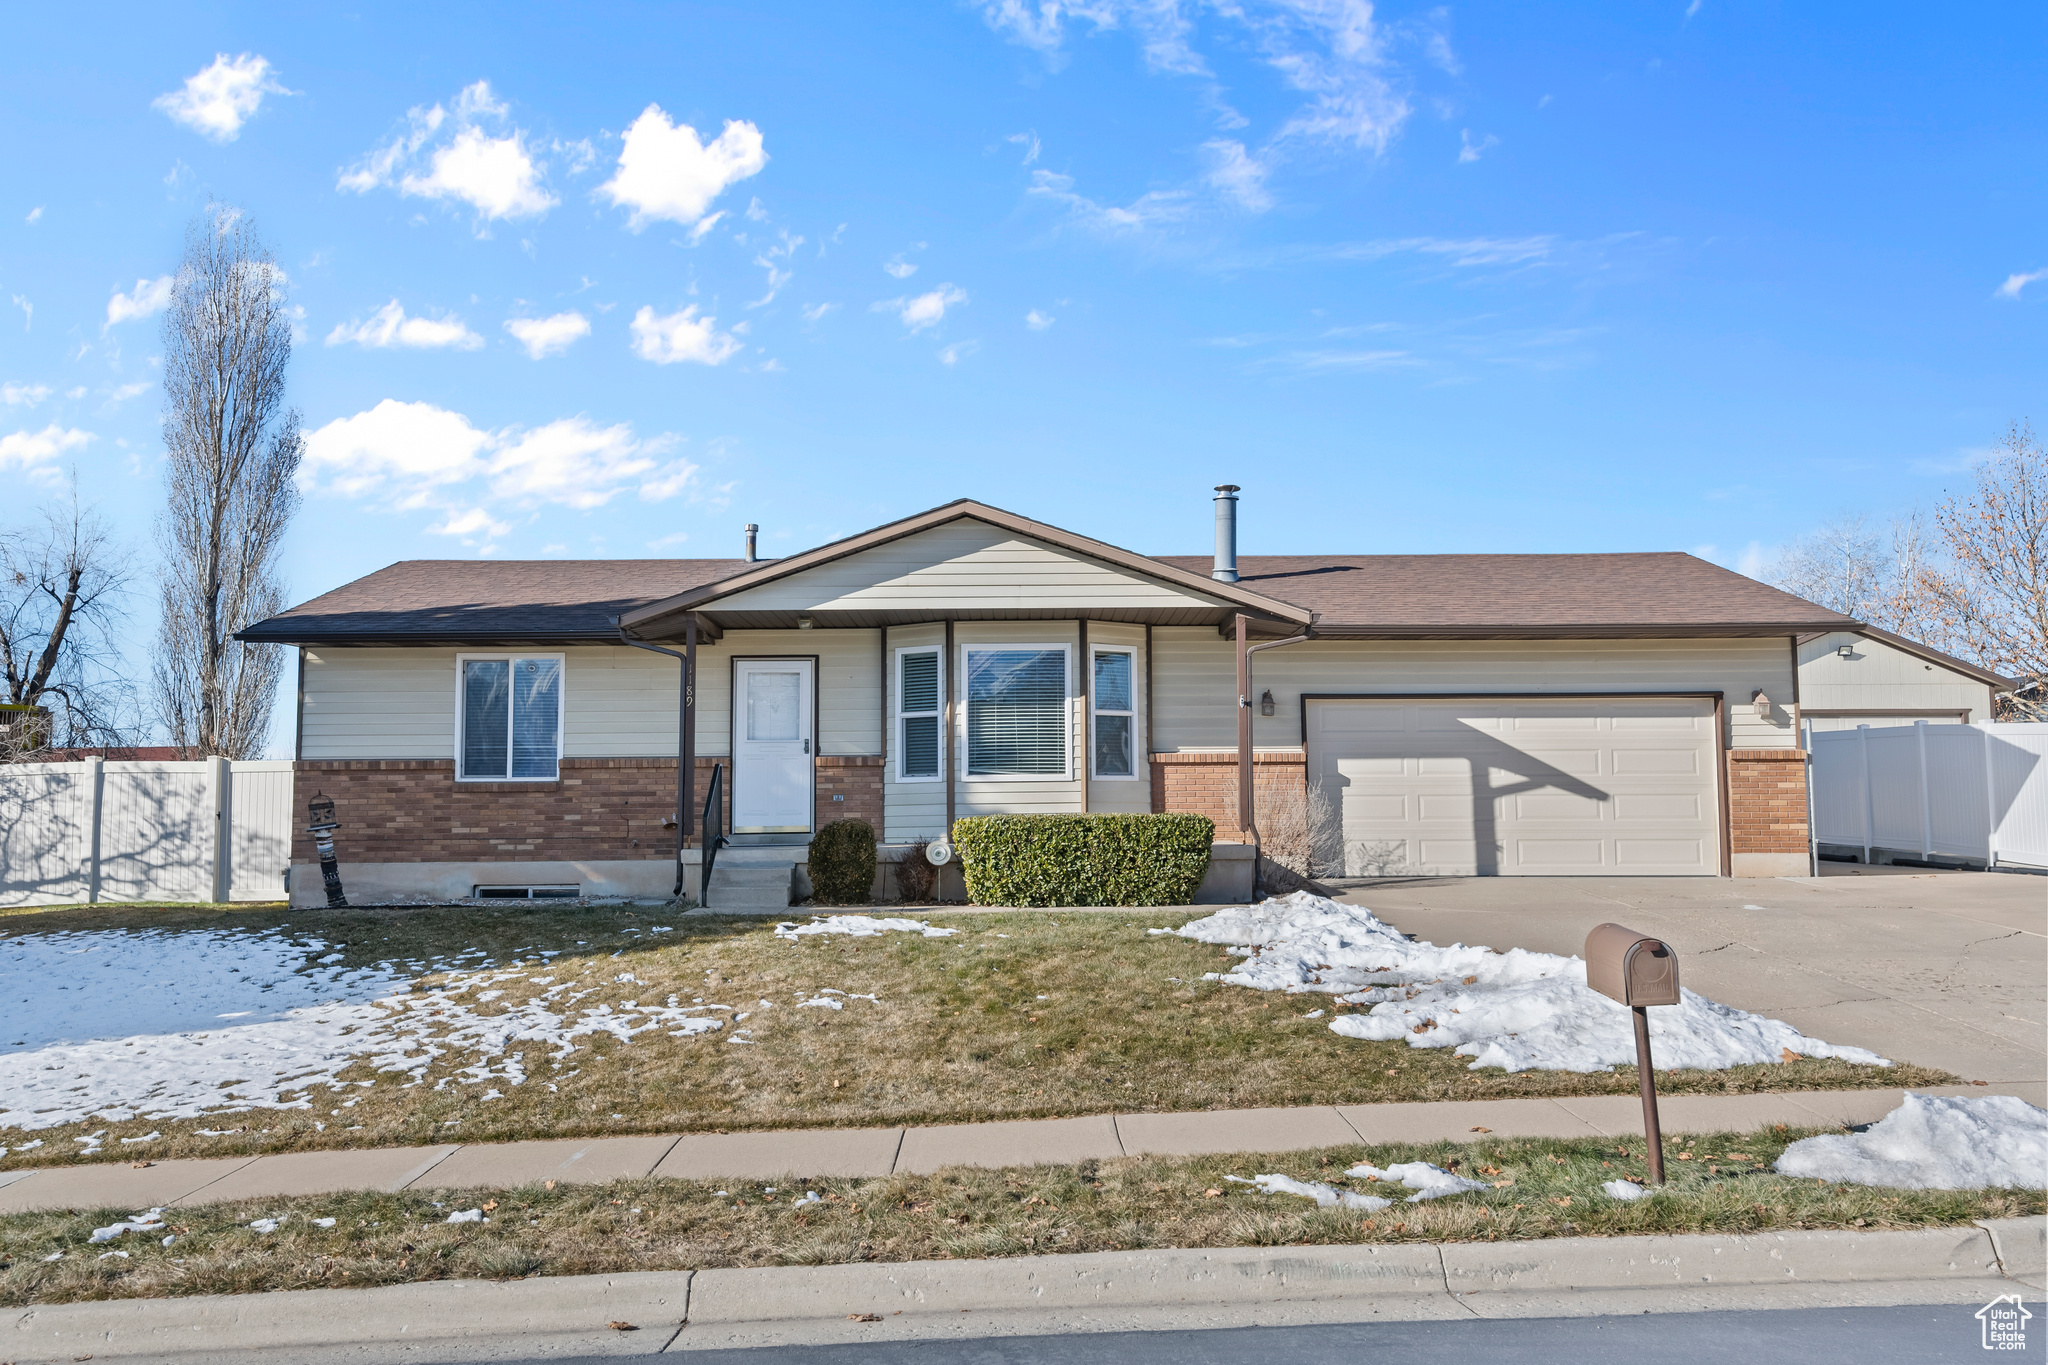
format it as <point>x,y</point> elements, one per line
<point>1048,860</point>
<point>843,863</point>
<point>915,876</point>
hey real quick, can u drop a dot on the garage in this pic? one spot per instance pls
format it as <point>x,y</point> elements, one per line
<point>1520,786</point>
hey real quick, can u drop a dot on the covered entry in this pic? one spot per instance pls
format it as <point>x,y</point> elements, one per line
<point>1456,786</point>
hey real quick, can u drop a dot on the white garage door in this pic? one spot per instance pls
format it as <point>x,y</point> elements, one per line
<point>1457,787</point>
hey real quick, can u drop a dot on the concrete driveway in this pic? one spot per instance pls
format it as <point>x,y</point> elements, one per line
<point>1947,969</point>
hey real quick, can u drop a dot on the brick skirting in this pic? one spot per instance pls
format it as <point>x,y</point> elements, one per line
<point>1206,784</point>
<point>1767,801</point>
<point>414,811</point>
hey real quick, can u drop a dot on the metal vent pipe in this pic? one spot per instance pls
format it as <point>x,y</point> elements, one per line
<point>752,531</point>
<point>1226,533</point>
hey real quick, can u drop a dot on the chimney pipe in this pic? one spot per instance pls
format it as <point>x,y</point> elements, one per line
<point>1226,533</point>
<point>751,531</point>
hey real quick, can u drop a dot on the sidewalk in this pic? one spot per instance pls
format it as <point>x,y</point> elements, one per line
<point>852,1152</point>
<point>658,1313</point>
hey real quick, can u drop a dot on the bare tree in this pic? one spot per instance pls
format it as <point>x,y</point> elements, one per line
<point>233,449</point>
<point>61,591</point>
<point>1987,599</point>
<point>1848,567</point>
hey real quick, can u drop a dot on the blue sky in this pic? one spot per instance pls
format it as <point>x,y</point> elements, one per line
<point>1512,277</point>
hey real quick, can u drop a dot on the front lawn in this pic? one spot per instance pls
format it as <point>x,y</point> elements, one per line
<point>534,1021</point>
<point>1534,1188</point>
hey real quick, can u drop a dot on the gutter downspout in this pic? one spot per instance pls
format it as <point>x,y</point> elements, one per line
<point>686,706</point>
<point>1247,814</point>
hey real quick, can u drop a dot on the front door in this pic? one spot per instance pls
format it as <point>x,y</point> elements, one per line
<point>772,777</point>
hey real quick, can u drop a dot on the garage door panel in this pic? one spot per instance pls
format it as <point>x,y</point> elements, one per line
<point>1528,787</point>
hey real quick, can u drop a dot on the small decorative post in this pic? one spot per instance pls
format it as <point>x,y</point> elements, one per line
<point>321,808</point>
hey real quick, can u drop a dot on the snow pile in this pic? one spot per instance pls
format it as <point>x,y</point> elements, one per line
<point>1517,1010</point>
<point>860,926</point>
<point>1430,1182</point>
<point>1324,1196</point>
<point>1625,1190</point>
<point>164,1024</point>
<point>1933,1142</point>
<point>152,1221</point>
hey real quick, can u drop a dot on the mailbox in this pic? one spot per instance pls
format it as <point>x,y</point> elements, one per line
<point>1632,968</point>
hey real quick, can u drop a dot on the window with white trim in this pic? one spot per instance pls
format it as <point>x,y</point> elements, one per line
<point>510,718</point>
<point>1017,719</point>
<point>918,690</point>
<point>1116,715</point>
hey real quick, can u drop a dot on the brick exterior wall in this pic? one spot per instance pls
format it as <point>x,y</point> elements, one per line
<point>1206,784</point>
<point>1766,801</point>
<point>414,811</point>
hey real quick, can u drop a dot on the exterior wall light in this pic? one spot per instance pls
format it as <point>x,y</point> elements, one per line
<point>1266,702</point>
<point>1762,704</point>
<point>1847,651</point>
<point>804,623</point>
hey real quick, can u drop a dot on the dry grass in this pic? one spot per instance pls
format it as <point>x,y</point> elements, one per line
<point>959,1213</point>
<point>1021,1015</point>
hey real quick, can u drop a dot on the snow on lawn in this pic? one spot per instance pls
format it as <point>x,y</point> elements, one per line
<point>1517,1010</point>
<point>1428,1182</point>
<point>1933,1142</point>
<point>113,1025</point>
<point>860,926</point>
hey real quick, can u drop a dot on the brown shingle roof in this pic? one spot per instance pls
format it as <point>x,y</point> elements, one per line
<point>1551,594</point>
<point>457,601</point>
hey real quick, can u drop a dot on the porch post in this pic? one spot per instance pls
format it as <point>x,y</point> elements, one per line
<point>686,752</point>
<point>948,671</point>
<point>1087,720</point>
<point>1244,728</point>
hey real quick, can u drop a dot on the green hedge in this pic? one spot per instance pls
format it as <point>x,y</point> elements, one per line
<point>843,863</point>
<point>1084,859</point>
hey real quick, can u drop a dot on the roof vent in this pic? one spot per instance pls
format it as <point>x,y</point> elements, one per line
<point>752,531</point>
<point>1226,534</point>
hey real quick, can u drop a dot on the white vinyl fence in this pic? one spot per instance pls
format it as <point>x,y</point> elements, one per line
<point>84,833</point>
<point>1972,792</point>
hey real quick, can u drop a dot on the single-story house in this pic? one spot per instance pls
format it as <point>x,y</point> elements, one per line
<point>516,728</point>
<point>1872,677</point>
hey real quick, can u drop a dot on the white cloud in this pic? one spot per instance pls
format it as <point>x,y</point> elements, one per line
<point>667,172</point>
<point>924,310</point>
<point>1755,560</point>
<point>774,260</point>
<point>951,355</point>
<point>23,395</point>
<point>681,336</point>
<point>217,101</point>
<point>1468,150</point>
<point>669,541</point>
<point>34,453</point>
<point>898,268</point>
<point>1147,211</point>
<point>1029,142</point>
<point>389,327</point>
<point>35,215</point>
<point>2015,283</point>
<point>412,456</point>
<point>757,212</point>
<point>817,311</point>
<point>543,337</point>
<point>498,176</point>
<point>1038,321</point>
<point>28,312</point>
<point>126,392</point>
<point>1237,175</point>
<point>149,297</point>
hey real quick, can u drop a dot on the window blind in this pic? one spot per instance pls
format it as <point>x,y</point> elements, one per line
<point>1016,712</point>
<point>917,697</point>
<point>486,705</point>
<point>536,714</point>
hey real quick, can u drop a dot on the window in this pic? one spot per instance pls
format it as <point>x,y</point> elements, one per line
<point>511,718</point>
<point>1017,711</point>
<point>1115,714</point>
<point>917,714</point>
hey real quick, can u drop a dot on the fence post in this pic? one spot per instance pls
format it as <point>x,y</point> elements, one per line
<point>96,788</point>
<point>1926,794</point>
<point>1869,814</point>
<point>217,782</point>
<point>1990,800</point>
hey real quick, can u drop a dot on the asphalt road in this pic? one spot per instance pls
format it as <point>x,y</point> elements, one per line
<point>1817,1336</point>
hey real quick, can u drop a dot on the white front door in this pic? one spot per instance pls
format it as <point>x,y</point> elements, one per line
<point>772,775</point>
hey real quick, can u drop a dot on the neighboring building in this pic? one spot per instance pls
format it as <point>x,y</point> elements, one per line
<point>1868,676</point>
<point>480,724</point>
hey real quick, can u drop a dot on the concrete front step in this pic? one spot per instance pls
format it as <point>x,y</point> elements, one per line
<point>750,887</point>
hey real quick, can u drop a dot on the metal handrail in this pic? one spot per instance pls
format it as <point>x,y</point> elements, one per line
<point>714,836</point>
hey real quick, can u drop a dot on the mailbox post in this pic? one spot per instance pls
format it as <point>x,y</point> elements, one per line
<point>1637,971</point>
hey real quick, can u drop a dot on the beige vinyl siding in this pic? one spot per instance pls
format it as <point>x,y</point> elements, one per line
<point>1196,690</point>
<point>618,702</point>
<point>962,568</point>
<point>1880,677</point>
